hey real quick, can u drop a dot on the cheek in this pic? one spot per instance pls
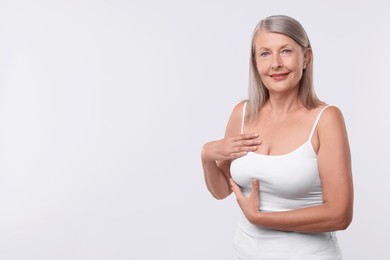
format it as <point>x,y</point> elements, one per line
<point>294,65</point>
<point>262,69</point>
<point>297,63</point>
<point>299,71</point>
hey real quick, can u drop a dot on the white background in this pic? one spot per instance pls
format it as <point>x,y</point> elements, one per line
<point>105,105</point>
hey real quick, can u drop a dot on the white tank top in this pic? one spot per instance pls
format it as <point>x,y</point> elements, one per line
<point>289,181</point>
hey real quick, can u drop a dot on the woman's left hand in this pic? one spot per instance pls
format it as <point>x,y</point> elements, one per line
<point>249,205</point>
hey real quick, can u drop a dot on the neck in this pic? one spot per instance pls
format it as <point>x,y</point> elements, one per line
<point>283,104</point>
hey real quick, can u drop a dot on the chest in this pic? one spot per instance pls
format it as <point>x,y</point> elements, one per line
<point>292,175</point>
<point>280,137</point>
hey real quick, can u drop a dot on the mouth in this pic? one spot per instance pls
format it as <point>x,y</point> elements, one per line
<point>279,76</point>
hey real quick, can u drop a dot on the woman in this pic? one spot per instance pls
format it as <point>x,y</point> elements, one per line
<point>285,154</point>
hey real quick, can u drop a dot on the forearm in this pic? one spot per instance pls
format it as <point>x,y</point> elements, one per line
<point>322,218</point>
<point>215,179</point>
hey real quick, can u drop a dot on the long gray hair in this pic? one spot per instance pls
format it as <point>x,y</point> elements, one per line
<point>257,92</point>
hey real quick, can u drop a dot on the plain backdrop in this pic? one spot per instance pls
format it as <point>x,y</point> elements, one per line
<point>105,105</point>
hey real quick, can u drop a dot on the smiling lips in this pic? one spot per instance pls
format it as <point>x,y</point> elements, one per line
<point>279,76</point>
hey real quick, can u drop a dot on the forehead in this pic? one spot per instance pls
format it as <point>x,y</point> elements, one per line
<point>268,40</point>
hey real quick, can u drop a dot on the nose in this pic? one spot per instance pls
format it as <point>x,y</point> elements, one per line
<point>276,62</point>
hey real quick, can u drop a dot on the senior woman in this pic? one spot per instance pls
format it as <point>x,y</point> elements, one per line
<point>285,154</point>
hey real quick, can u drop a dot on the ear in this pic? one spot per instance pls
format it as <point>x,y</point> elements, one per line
<point>307,55</point>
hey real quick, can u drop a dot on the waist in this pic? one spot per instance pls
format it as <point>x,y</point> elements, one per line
<point>271,202</point>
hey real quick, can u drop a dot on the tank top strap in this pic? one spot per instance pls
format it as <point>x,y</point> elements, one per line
<point>243,117</point>
<point>316,122</point>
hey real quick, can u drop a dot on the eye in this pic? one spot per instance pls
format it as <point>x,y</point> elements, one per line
<point>286,51</point>
<point>264,54</point>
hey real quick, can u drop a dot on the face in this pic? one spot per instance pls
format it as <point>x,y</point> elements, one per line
<point>280,61</point>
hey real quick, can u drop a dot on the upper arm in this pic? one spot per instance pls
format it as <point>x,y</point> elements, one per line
<point>233,128</point>
<point>334,163</point>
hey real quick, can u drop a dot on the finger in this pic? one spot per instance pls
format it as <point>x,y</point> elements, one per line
<point>244,149</point>
<point>255,185</point>
<point>249,136</point>
<point>246,136</point>
<point>236,189</point>
<point>252,142</point>
<point>233,184</point>
<point>238,155</point>
<point>245,145</point>
<point>255,188</point>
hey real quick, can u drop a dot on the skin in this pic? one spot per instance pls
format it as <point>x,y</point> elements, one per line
<point>284,124</point>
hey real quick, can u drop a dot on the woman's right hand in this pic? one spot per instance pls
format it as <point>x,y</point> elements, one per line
<point>230,147</point>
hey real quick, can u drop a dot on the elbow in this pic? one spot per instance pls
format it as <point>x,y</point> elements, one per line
<point>219,193</point>
<point>343,221</point>
<point>219,196</point>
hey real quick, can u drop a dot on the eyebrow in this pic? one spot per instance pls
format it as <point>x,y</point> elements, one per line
<point>283,46</point>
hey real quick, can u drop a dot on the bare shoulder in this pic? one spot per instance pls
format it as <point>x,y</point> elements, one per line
<point>234,124</point>
<point>238,108</point>
<point>331,117</point>
<point>331,127</point>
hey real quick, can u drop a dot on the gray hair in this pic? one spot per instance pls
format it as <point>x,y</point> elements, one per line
<point>257,92</point>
